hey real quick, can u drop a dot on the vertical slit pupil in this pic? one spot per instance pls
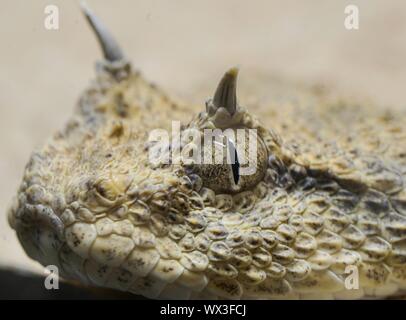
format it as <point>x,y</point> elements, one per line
<point>235,165</point>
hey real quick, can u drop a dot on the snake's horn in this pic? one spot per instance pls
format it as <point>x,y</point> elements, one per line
<point>226,92</point>
<point>111,50</point>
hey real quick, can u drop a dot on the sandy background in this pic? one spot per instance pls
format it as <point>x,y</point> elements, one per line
<point>182,45</point>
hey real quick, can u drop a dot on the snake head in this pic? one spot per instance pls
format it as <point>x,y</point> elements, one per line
<point>237,213</point>
<point>93,204</point>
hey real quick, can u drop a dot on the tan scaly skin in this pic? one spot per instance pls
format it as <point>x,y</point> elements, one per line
<point>329,192</point>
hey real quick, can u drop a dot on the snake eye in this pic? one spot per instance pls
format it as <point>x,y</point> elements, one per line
<point>229,161</point>
<point>237,158</point>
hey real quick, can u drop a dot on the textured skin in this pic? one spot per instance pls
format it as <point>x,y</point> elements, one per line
<point>332,194</point>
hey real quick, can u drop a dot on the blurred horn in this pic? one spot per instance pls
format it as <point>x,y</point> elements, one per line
<point>111,50</point>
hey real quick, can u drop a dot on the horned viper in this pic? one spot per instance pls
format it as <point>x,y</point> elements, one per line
<point>328,193</point>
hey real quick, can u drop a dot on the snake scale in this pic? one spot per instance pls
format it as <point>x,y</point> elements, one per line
<point>328,193</point>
